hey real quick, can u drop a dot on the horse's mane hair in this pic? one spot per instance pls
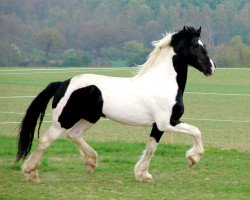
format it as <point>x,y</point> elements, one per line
<point>160,44</point>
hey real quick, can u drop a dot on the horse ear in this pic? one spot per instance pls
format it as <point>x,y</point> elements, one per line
<point>185,28</point>
<point>199,31</point>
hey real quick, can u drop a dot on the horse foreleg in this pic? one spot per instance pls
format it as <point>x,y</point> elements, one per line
<point>141,167</point>
<point>30,166</point>
<point>193,155</point>
<point>89,154</point>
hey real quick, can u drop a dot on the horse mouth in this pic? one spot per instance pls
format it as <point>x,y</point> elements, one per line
<point>210,72</point>
<point>207,74</point>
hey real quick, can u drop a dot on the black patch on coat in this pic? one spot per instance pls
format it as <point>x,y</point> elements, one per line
<point>181,67</point>
<point>156,133</point>
<point>177,110</point>
<point>84,103</point>
<point>188,51</point>
<point>60,93</point>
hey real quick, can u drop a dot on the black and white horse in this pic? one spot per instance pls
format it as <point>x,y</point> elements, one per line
<point>153,98</point>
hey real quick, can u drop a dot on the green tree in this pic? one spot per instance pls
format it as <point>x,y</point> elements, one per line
<point>70,58</point>
<point>84,58</point>
<point>135,52</point>
<point>99,26</point>
<point>236,54</point>
<point>49,39</point>
<point>112,53</point>
<point>56,15</point>
<point>5,53</point>
<point>16,55</point>
<point>133,47</point>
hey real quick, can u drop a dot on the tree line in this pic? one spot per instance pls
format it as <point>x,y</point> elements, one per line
<point>117,32</point>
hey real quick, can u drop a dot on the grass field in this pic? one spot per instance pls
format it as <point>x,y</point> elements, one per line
<point>218,105</point>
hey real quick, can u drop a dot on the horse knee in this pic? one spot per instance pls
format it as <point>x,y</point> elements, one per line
<point>52,134</point>
<point>192,130</point>
<point>72,136</point>
<point>196,133</point>
<point>44,143</point>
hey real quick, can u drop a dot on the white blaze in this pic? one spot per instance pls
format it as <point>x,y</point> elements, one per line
<point>211,61</point>
<point>200,42</point>
<point>213,66</point>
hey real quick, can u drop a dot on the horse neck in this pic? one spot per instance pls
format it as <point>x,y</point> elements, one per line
<point>159,62</point>
<point>162,66</point>
<point>181,68</point>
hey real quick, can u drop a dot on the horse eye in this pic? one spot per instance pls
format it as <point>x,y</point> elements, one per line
<point>195,45</point>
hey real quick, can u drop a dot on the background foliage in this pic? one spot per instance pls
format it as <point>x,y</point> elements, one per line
<point>85,32</point>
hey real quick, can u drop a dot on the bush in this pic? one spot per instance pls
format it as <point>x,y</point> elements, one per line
<point>236,54</point>
<point>135,53</point>
<point>70,58</point>
<point>84,58</point>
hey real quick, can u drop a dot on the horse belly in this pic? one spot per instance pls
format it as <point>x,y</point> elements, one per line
<point>126,110</point>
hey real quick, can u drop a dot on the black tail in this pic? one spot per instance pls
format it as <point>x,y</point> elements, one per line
<point>27,128</point>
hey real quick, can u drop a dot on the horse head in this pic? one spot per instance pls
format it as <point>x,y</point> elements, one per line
<point>190,50</point>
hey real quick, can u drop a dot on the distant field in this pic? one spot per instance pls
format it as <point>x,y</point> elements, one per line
<point>218,105</point>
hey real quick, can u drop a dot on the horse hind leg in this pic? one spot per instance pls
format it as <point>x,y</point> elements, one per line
<point>30,166</point>
<point>89,155</point>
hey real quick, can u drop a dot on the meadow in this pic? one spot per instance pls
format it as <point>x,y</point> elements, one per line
<point>218,105</point>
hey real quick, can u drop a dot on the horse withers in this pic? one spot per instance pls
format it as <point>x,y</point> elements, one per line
<point>153,98</point>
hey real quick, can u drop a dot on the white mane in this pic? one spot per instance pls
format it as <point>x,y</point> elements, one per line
<point>160,44</point>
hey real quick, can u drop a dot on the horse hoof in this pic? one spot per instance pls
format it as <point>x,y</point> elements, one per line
<point>90,168</point>
<point>145,177</point>
<point>193,160</point>
<point>90,164</point>
<point>32,176</point>
<point>34,180</point>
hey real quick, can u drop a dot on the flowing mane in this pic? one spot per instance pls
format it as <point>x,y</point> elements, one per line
<point>159,45</point>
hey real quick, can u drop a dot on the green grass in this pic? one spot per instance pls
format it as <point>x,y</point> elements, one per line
<point>226,135</point>
<point>219,175</point>
<point>223,172</point>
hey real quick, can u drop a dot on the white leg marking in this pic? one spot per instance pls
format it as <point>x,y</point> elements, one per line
<point>193,155</point>
<point>89,155</point>
<point>30,166</point>
<point>141,167</point>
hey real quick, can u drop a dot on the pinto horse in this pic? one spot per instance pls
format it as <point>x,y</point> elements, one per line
<point>153,98</point>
